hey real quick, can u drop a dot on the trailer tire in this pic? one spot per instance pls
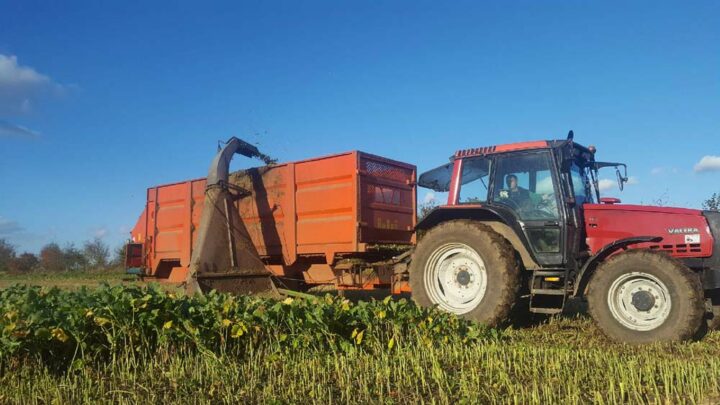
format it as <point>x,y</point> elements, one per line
<point>466,268</point>
<point>641,296</point>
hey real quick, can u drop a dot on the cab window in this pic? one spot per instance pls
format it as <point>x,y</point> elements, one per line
<point>475,179</point>
<point>524,183</point>
<point>581,190</point>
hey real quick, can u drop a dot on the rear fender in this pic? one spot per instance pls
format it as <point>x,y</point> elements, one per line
<point>588,269</point>
<point>498,220</point>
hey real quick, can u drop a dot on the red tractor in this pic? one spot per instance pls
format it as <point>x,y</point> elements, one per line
<point>527,220</point>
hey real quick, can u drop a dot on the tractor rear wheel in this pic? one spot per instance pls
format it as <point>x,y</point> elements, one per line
<point>641,296</point>
<point>466,268</point>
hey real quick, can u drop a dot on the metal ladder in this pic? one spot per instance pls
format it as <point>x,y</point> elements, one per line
<point>537,305</point>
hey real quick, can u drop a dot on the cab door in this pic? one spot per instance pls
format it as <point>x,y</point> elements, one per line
<point>526,184</point>
<point>580,193</point>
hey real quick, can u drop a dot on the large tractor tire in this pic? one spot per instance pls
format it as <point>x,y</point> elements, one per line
<point>466,268</point>
<point>641,296</point>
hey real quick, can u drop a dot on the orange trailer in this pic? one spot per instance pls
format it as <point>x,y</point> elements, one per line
<point>335,219</point>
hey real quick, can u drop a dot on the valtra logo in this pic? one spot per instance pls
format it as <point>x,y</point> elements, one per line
<point>679,231</point>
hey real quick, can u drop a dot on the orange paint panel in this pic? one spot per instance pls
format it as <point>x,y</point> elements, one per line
<point>178,275</point>
<point>521,146</point>
<point>327,230</point>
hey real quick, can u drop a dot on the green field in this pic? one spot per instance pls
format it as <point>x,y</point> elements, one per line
<point>74,280</point>
<point>130,344</point>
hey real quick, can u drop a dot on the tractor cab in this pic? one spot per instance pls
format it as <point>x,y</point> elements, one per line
<point>538,188</point>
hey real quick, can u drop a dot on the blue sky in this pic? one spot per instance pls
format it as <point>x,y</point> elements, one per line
<point>100,101</point>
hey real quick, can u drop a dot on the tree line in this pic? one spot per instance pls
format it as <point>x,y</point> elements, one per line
<point>92,255</point>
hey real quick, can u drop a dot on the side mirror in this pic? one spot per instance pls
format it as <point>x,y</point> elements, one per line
<point>621,179</point>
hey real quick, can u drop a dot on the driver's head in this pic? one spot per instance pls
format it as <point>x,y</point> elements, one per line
<point>511,181</point>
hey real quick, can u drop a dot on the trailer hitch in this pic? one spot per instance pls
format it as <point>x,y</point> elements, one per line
<point>224,257</point>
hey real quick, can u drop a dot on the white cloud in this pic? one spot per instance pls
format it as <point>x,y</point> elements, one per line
<point>708,164</point>
<point>545,186</point>
<point>657,170</point>
<point>611,184</point>
<point>606,184</point>
<point>21,86</point>
<point>8,227</point>
<point>100,232</point>
<point>8,129</point>
<point>429,198</point>
<point>12,74</point>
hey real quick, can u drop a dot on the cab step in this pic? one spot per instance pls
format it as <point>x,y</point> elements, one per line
<point>546,291</point>
<point>549,273</point>
<point>547,311</point>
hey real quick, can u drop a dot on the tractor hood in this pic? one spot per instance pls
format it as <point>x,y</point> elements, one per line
<point>642,208</point>
<point>686,232</point>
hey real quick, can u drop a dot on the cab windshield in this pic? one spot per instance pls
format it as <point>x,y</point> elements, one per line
<point>582,188</point>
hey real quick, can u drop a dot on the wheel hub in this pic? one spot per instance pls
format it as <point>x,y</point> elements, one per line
<point>643,301</point>
<point>463,277</point>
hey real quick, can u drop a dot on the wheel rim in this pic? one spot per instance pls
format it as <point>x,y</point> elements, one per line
<point>639,301</point>
<point>455,278</point>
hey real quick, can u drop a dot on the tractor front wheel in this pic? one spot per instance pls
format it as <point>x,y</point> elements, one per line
<point>466,268</point>
<point>642,296</point>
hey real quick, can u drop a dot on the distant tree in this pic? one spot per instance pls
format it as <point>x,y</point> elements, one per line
<point>712,203</point>
<point>118,259</point>
<point>7,254</point>
<point>425,209</point>
<point>96,253</point>
<point>73,258</point>
<point>52,258</point>
<point>24,263</point>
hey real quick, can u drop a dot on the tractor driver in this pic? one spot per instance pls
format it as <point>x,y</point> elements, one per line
<point>518,195</point>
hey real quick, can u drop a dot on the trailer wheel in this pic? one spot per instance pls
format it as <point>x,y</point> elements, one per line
<point>641,296</point>
<point>466,268</point>
<point>712,304</point>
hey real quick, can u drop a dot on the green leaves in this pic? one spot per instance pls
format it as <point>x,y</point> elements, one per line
<point>63,326</point>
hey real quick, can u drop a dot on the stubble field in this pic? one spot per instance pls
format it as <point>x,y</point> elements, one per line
<point>130,343</point>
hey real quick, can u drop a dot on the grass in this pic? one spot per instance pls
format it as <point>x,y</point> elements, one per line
<point>535,366</point>
<point>73,280</point>
<point>563,360</point>
<point>64,279</point>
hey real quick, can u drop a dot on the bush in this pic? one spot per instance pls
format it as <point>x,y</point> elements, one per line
<point>55,259</point>
<point>7,254</point>
<point>118,259</point>
<point>96,253</point>
<point>52,257</point>
<point>24,263</point>
<point>712,203</point>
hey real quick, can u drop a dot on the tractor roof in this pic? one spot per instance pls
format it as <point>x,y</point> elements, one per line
<point>508,147</point>
<point>438,179</point>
